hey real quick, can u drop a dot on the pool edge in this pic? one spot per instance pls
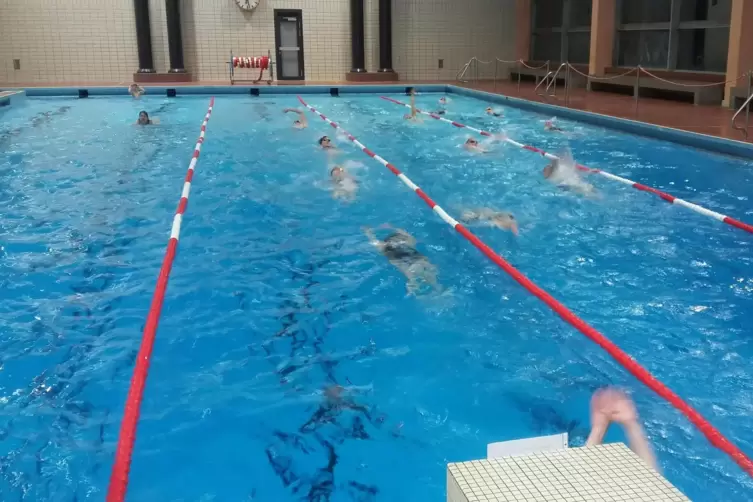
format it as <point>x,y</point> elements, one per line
<point>678,136</point>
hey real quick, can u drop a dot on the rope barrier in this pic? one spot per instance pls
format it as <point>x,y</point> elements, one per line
<point>593,77</point>
<point>533,67</point>
<point>665,196</point>
<point>119,477</point>
<point>643,375</point>
<point>690,85</point>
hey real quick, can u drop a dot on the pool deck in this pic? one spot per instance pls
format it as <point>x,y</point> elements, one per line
<point>710,120</point>
<point>593,474</point>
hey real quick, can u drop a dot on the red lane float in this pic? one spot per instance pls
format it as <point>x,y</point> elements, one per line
<point>643,375</point>
<point>665,196</point>
<point>119,476</point>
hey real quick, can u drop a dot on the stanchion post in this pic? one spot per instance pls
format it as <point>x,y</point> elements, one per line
<point>637,92</point>
<point>747,108</point>
<point>519,70</point>
<point>496,63</point>
<point>567,84</point>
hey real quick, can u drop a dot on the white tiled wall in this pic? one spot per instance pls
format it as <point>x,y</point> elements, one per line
<point>95,40</point>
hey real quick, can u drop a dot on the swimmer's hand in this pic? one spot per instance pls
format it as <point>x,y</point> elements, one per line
<point>154,121</point>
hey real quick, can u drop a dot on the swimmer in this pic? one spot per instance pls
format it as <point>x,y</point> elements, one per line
<point>145,120</point>
<point>301,123</point>
<point>500,219</point>
<point>492,112</point>
<point>549,125</point>
<point>472,144</point>
<point>444,100</point>
<point>135,90</point>
<point>326,143</point>
<point>413,115</point>
<point>400,249</point>
<point>344,185</point>
<point>561,172</point>
<point>613,405</point>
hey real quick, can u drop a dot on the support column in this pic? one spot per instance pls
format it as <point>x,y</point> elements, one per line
<point>523,23</point>
<point>143,36</point>
<point>740,51</point>
<point>357,36</point>
<point>603,18</point>
<point>174,38</point>
<point>385,36</point>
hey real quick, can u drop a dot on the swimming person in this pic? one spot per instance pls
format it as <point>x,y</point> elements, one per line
<point>326,143</point>
<point>613,405</point>
<point>400,249</point>
<point>562,173</point>
<point>136,90</point>
<point>413,115</point>
<point>549,125</point>
<point>302,122</point>
<point>500,219</point>
<point>493,112</point>
<point>344,185</point>
<point>444,100</point>
<point>145,120</point>
<point>472,144</point>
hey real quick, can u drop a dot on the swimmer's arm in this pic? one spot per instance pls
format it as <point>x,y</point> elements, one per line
<point>372,237</point>
<point>154,121</point>
<point>413,103</point>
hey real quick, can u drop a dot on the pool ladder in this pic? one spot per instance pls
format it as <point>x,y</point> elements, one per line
<point>745,107</point>
<point>551,81</point>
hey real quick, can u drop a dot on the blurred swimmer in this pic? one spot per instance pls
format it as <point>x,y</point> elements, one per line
<point>493,112</point>
<point>135,90</point>
<point>562,173</point>
<point>301,123</point>
<point>500,219</point>
<point>344,185</point>
<point>145,120</point>
<point>326,143</point>
<point>549,125</point>
<point>613,405</point>
<point>400,249</point>
<point>444,100</point>
<point>472,144</point>
<point>413,115</point>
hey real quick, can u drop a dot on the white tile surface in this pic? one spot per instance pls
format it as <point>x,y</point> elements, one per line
<point>62,41</point>
<point>608,472</point>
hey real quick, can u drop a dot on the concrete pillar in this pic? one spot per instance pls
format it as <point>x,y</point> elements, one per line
<point>602,36</point>
<point>740,52</point>
<point>523,23</point>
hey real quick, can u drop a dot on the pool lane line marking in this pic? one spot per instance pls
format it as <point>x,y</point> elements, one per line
<point>638,186</point>
<point>116,491</point>
<point>631,365</point>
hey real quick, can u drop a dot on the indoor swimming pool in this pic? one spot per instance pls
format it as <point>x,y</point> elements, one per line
<point>290,362</point>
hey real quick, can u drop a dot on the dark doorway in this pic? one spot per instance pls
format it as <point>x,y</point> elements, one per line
<point>289,44</point>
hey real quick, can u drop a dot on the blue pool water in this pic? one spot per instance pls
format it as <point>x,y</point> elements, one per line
<point>289,363</point>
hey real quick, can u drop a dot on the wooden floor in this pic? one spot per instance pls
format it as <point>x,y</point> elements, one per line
<point>712,120</point>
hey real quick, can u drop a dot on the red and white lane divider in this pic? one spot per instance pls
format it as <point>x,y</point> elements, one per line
<point>712,434</point>
<point>119,476</point>
<point>667,197</point>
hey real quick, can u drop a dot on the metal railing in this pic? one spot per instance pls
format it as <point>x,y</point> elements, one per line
<point>745,107</point>
<point>550,78</point>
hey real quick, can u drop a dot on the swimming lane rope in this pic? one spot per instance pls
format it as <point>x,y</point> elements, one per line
<point>667,197</point>
<point>712,434</point>
<point>119,475</point>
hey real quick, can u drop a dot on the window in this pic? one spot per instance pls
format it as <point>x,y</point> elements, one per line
<point>645,11</point>
<point>561,30</point>
<point>649,48</point>
<point>703,49</point>
<point>579,47</point>
<point>673,34</point>
<point>718,11</point>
